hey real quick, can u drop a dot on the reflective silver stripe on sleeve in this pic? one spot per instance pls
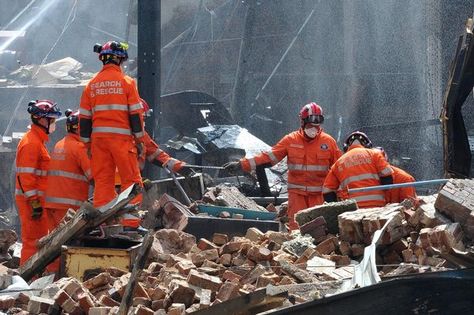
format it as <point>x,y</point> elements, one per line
<point>272,157</point>
<point>85,112</point>
<point>369,197</point>
<point>120,131</point>
<point>253,165</point>
<point>153,156</point>
<point>31,170</point>
<point>139,134</point>
<point>68,175</point>
<point>29,193</point>
<point>327,190</point>
<point>356,178</point>
<point>41,173</point>
<point>386,171</point>
<point>171,163</point>
<point>66,201</point>
<point>302,167</point>
<point>100,108</point>
<point>28,170</point>
<point>305,188</point>
<point>135,107</point>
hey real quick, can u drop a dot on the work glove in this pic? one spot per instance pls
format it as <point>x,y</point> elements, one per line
<point>232,167</point>
<point>147,184</point>
<point>37,210</point>
<point>187,172</point>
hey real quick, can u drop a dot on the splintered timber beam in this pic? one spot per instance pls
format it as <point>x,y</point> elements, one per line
<point>87,217</point>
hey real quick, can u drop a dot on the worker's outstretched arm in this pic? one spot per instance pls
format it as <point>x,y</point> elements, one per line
<point>269,158</point>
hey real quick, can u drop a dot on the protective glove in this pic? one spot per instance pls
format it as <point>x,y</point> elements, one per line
<point>37,210</point>
<point>187,172</point>
<point>147,184</point>
<point>232,167</point>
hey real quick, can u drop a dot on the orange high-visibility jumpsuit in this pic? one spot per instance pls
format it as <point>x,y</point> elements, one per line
<point>155,155</point>
<point>152,153</point>
<point>359,167</point>
<point>399,194</point>
<point>32,159</point>
<point>308,162</point>
<point>110,119</point>
<point>69,175</point>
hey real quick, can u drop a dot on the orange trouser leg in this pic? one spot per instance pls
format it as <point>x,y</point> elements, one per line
<point>103,170</point>
<point>54,217</point>
<point>297,202</point>
<point>31,230</point>
<point>125,157</point>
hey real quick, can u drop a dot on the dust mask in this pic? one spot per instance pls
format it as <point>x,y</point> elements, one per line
<point>52,127</point>
<point>312,132</point>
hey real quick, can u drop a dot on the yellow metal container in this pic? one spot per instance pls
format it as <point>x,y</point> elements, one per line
<point>86,262</point>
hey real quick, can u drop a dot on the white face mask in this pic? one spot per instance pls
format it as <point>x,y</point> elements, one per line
<point>52,127</point>
<point>311,132</point>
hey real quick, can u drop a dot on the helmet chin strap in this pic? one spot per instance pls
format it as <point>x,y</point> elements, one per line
<point>37,122</point>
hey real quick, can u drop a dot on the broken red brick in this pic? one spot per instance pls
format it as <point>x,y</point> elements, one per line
<point>254,235</point>
<point>220,239</point>
<point>98,281</point>
<point>204,244</point>
<point>227,291</point>
<point>225,260</point>
<point>108,301</point>
<point>327,246</point>
<point>204,281</point>
<point>230,276</point>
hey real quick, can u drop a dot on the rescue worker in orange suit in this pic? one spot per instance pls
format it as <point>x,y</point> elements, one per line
<point>111,122</point>
<point>69,175</point>
<point>360,166</point>
<point>310,152</point>
<point>32,161</point>
<point>152,153</point>
<point>397,195</point>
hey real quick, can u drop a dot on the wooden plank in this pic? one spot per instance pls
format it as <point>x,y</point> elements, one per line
<point>87,217</point>
<point>137,268</point>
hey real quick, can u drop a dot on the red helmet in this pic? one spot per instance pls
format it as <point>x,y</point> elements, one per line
<point>43,109</point>
<point>145,105</point>
<point>146,108</point>
<point>72,120</point>
<point>311,113</point>
<point>360,136</point>
<point>112,48</point>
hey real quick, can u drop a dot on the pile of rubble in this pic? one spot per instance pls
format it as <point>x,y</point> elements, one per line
<point>184,275</point>
<point>427,234</point>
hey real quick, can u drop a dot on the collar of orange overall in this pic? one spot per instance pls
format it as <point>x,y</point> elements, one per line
<point>40,132</point>
<point>353,146</point>
<point>111,66</point>
<point>73,136</point>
